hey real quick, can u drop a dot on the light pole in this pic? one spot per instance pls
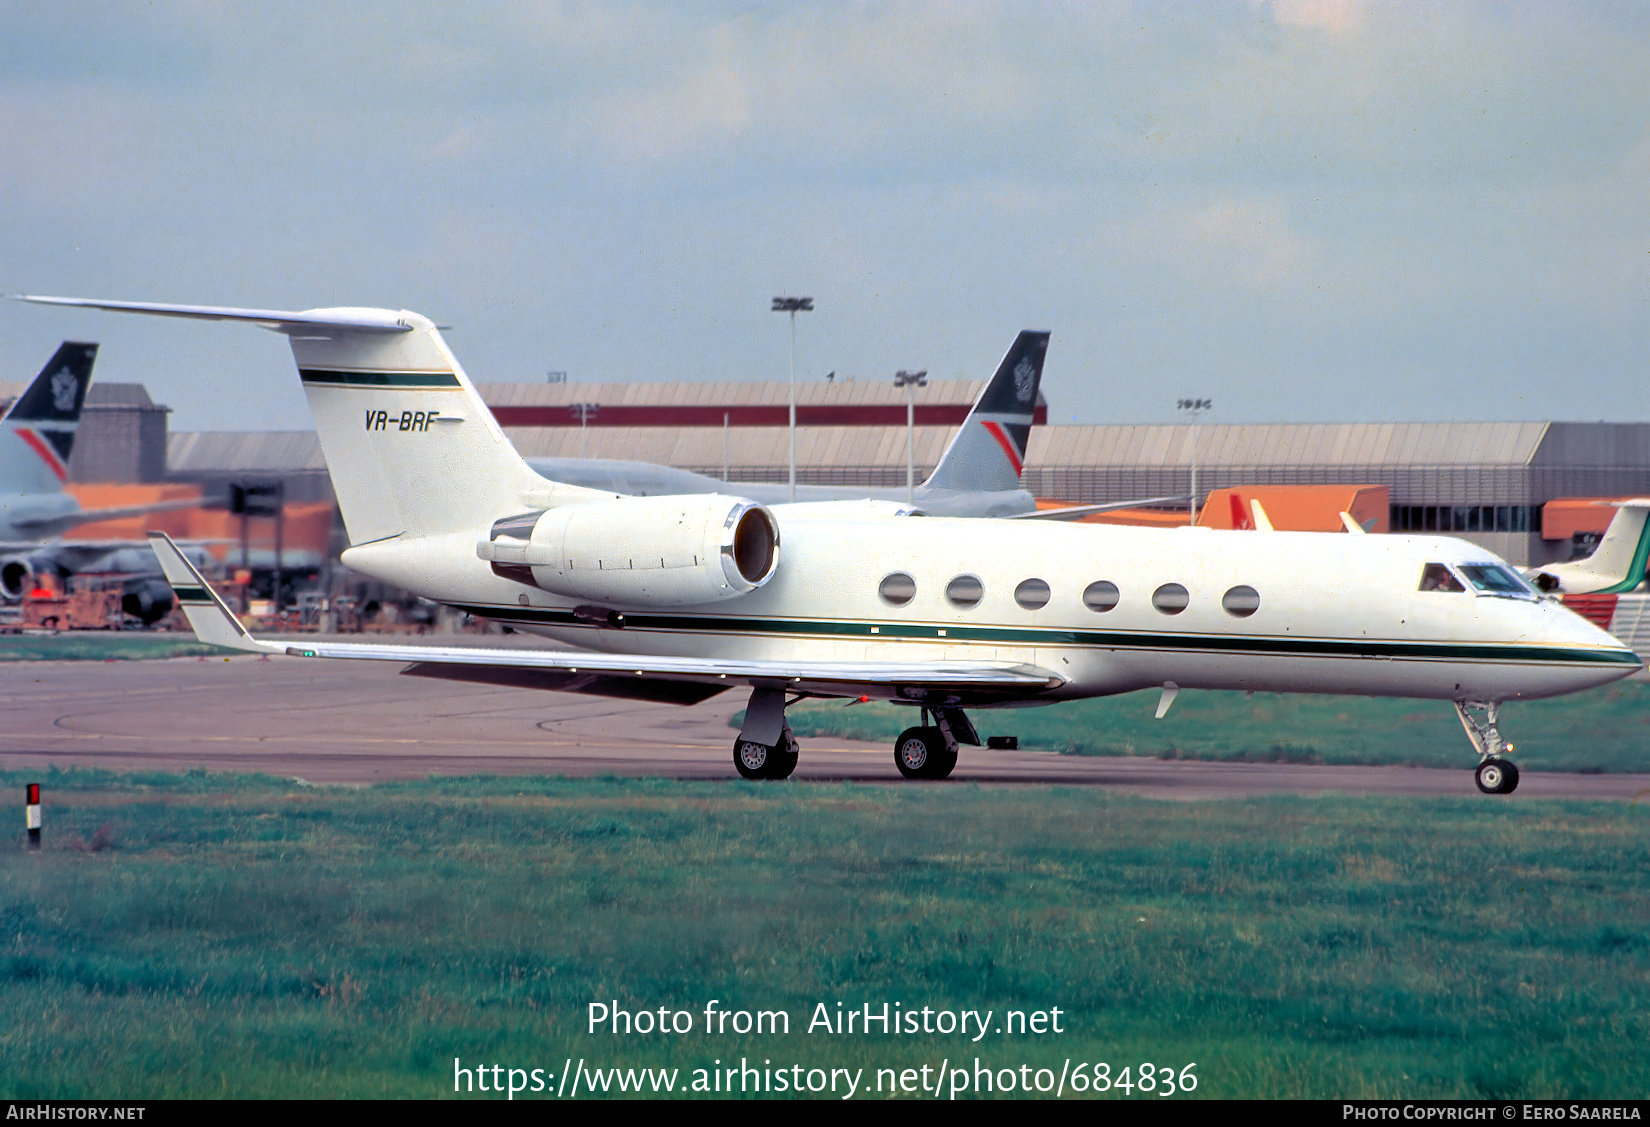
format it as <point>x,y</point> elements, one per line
<point>910,381</point>
<point>1194,408</point>
<point>793,306</point>
<point>584,412</point>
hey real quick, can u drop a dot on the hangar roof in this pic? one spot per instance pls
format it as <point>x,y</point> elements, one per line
<point>214,451</point>
<point>1318,444</point>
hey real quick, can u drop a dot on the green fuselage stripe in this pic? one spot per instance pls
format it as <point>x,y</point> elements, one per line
<point>192,595</point>
<point>1114,640</point>
<point>379,379</point>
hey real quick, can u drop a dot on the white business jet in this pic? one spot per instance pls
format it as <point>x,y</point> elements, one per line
<point>679,598</point>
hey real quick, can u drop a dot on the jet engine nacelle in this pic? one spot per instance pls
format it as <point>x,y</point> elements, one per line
<point>646,551</point>
<point>16,577</point>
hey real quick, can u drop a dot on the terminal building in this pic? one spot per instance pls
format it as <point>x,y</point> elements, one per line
<point>1485,482</point>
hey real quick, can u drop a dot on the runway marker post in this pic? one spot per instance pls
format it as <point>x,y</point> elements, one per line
<point>31,815</point>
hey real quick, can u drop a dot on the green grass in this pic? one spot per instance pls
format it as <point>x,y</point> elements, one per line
<point>1605,729</point>
<point>99,645</point>
<point>251,937</point>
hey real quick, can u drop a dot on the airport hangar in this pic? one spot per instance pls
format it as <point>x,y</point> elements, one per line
<point>1484,482</point>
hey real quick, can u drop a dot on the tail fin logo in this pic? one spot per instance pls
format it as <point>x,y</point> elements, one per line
<point>64,389</point>
<point>1025,379</point>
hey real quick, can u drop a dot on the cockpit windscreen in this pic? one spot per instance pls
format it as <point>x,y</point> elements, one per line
<point>1494,579</point>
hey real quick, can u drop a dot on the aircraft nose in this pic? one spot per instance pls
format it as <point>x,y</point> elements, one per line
<point>1594,646</point>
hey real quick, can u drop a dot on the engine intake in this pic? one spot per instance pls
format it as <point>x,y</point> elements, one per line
<point>16,577</point>
<point>646,551</point>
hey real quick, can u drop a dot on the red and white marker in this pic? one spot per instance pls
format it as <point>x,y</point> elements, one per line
<point>32,817</point>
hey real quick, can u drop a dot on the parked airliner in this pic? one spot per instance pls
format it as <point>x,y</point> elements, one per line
<point>37,435</point>
<point>678,598</point>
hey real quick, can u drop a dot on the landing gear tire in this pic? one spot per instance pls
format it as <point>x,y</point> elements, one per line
<point>920,753</point>
<point>783,760</point>
<point>1496,776</point>
<point>759,761</point>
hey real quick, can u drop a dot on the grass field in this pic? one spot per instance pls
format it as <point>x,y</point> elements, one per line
<point>1604,729</point>
<point>239,936</point>
<point>99,645</point>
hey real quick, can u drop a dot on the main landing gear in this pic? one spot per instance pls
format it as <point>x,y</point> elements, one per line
<point>760,761</point>
<point>930,751</point>
<point>766,749</point>
<point>1495,774</point>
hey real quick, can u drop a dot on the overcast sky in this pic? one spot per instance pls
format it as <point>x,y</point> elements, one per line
<point>1305,209</point>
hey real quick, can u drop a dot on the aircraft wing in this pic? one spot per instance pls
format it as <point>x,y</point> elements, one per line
<point>213,622</point>
<point>1072,512</point>
<point>76,555</point>
<point>63,522</point>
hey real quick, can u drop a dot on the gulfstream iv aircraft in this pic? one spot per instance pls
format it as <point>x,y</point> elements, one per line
<point>679,598</point>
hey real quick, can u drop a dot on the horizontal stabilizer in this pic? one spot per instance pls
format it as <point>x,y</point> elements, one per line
<point>357,320</point>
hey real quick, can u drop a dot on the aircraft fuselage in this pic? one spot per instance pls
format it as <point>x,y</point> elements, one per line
<point>1335,613</point>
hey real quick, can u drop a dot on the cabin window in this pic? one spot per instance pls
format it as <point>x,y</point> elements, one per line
<point>1494,579</point>
<point>1240,602</point>
<point>1171,598</point>
<point>965,591</point>
<point>1437,577</point>
<point>897,589</point>
<point>1100,595</point>
<point>1032,594</point>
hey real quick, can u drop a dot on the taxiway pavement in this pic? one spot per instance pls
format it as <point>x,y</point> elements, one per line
<point>361,722</point>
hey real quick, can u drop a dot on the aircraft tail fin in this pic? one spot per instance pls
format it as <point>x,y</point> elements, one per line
<point>987,454</point>
<point>1619,562</point>
<point>40,426</point>
<point>411,447</point>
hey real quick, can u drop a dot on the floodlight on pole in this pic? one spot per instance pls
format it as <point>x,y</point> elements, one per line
<point>793,306</point>
<point>910,381</point>
<point>584,412</point>
<point>1195,409</point>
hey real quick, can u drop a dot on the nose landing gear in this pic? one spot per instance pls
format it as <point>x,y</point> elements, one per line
<point>1495,774</point>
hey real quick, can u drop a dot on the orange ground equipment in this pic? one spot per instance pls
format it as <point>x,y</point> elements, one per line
<point>1290,508</point>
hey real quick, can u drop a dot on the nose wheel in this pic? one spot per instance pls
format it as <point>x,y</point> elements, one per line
<point>1495,774</point>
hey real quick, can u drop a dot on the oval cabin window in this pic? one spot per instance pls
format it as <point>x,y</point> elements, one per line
<point>1171,598</point>
<point>898,589</point>
<point>1100,596</point>
<point>1240,602</point>
<point>965,591</point>
<point>1032,594</point>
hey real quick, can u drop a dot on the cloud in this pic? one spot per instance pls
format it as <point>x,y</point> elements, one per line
<point>1327,15</point>
<point>1251,241</point>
